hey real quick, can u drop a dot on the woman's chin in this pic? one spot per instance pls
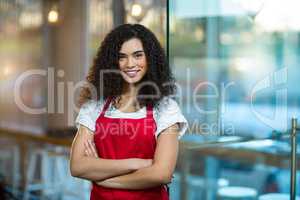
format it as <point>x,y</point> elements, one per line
<point>132,80</point>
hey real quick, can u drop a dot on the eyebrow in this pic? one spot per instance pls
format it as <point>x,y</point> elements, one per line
<point>124,54</point>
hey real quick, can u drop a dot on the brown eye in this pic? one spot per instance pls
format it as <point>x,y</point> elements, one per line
<point>138,55</point>
<point>121,57</point>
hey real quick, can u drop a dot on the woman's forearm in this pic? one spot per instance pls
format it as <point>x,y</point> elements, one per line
<point>85,162</point>
<point>141,179</point>
<point>98,169</point>
<point>159,173</point>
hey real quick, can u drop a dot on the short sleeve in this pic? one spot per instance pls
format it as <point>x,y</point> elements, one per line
<point>167,114</point>
<point>86,116</point>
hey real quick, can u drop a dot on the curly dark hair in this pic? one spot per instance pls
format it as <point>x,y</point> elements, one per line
<point>107,58</point>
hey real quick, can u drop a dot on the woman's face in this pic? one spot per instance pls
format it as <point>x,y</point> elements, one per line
<point>132,61</point>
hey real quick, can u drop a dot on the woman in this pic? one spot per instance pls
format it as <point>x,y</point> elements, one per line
<point>127,140</point>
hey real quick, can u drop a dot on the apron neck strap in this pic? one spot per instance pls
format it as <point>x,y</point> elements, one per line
<point>149,111</point>
<point>106,105</point>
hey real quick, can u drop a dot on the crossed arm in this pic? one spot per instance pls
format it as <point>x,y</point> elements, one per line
<point>130,173</point>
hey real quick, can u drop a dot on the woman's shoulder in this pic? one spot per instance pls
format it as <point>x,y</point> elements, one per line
<point>92,104</point>
<point>88,113</point>
<point>168,112</point>
<point>167,109</point>
<point>167,105</point>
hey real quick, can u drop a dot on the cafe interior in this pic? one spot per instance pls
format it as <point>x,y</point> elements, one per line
<point>236,64</point>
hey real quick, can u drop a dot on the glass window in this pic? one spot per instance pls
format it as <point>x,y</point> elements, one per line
<point>100,23</point>
<point>237,63</point>
<point>241,60</point>
<point>150,13</point>
<point>21,49</point>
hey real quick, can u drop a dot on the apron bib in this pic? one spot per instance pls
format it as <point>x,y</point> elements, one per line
<point>122,138</point>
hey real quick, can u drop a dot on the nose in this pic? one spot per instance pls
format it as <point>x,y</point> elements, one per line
<point>131,62</point>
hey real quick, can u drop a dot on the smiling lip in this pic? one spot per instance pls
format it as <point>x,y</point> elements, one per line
<point>131,73</point>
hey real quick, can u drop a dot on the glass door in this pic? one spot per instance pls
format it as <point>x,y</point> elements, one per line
<point>236,63</point>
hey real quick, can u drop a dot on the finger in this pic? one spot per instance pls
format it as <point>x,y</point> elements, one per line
<point>86,152</point>
<point>93,149</point>
<point>91,154</point>
<point>87,149</point>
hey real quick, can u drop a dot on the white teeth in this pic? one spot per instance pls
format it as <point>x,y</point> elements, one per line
<point>131,73</point>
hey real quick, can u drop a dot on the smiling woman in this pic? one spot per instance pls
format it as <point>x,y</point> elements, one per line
<point>131,151</point>
<point>132,61</point>
<point>124,51</point>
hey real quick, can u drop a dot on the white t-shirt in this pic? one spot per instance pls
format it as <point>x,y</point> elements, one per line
<point>165,114</point>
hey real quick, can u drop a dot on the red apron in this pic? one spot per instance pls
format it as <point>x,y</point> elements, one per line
<point>121,138</point>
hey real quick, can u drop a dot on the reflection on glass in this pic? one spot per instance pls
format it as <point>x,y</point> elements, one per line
<point>21,48</point>
<point>151,13</point>
<point>226,53</point>
<point>237,63</point>
<point>100,22</point>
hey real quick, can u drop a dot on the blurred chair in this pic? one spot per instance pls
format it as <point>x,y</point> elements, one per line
<point>196,186</point>
<point>275,196</point>
<point>44,181</point>
<point>284,182</point>
<point>236,193</point>
<point>77,189</point>
<point>10,164</point>
<point>55,180</point>
<point>255,178</point>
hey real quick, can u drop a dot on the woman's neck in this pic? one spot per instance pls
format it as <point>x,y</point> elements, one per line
<point>127,101</point>
<point>129,91</point>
